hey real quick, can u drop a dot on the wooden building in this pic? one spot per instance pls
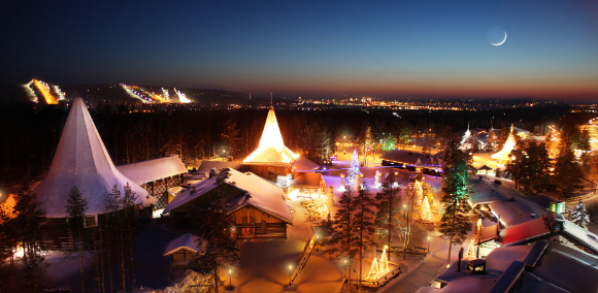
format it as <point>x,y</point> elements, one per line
<point>258,206</point>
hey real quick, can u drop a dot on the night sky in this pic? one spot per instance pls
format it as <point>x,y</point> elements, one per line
<point>426,48</point>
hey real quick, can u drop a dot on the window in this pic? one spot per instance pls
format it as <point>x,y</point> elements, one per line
<point>89,222</point>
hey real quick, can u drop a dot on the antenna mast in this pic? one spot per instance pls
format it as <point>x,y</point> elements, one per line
<point>270,99</point>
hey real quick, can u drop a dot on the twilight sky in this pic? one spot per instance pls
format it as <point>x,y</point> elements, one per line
<point>427,48</point>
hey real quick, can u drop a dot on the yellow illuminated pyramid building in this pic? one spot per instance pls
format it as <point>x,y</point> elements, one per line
<point>271,148</point>
<point>272,159</point>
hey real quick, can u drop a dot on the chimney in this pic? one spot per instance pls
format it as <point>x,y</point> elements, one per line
<point>460,258</point>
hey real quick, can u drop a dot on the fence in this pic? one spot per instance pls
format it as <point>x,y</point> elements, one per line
<point>391,274</point>
<point>309,246</point>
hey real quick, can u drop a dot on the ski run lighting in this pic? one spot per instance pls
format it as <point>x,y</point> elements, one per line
<point>271,148</point>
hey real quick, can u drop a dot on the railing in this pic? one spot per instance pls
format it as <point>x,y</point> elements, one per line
<point>309,246</point>
<point>391,274</point>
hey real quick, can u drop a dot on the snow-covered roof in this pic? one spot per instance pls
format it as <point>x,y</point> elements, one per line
<point>585,237</point>
<point>188,242</point>
<point>271,148</point>
<point>259,193</point>
<point>306,179</point>
<point>152,170</point>
<point>304,164</point>
<point>206,166</point>
<point>505,153</point>
<point>409,157</point>
<point>81,160</point>
<point>511,212</point>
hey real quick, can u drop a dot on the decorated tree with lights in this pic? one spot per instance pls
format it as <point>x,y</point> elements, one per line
<point>470,253</point>
<point>491,141</point>
<point>579,216</point>
<point>455,186</point>
<point>353,170</point>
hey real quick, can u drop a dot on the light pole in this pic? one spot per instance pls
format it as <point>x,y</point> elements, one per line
<point>230,274</point>
<point>428,244</point>
<point>290,275</point>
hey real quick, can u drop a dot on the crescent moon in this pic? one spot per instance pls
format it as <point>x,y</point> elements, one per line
<point>503,41</point>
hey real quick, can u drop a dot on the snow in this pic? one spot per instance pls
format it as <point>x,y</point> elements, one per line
<point>263,195</point>
<point>186,241</point>
<point>152,170</point>
<point>582,235</point>
<point>510,144</point>
<point>81,160</point>
<point>304,164</point>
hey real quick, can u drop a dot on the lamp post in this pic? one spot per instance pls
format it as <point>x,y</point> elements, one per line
<point>230,274</point>
<point>290,275</point>
<point>428,244</point>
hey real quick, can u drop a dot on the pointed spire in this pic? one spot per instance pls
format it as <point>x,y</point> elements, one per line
<point>271,148</point>
<point>81,160</point>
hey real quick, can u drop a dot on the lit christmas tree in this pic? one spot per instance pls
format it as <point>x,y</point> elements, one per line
<point>426,214</point>
<point>470,253</point>
<point>384,261</point>
<point>353,170</point>
<point>374,272</point>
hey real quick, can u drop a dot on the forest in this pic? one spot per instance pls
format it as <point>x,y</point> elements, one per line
<point>30,133</point>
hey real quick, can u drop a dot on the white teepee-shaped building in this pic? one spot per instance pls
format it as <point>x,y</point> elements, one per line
<point>271,148</point>
<point>82,160</point>
<point>505,154</point>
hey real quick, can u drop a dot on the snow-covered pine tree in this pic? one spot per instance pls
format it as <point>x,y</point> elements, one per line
<point>76,206</point>
<point>579,216</point>
<point>353,170</point>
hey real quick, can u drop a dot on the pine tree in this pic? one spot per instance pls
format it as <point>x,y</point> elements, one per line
<point>128,203</point>
<point>353,170</point>
<point>389,202</point>
<point>230,135</point>
<point>344,241</point>
<point>568,172</point>
<point>212,223</point>
<point>579,216</point>
<point>76,206</point>
<point>455,186</point>
<point>29,218</point>
<point>363,220</point>
<point>111,206</point>
<point>491,141</point>
<point>503,136</point>
<point>7,247</point>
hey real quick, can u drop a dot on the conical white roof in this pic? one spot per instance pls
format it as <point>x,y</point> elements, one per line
<point>510,144</point>
<point>82,160</point>
<point>271,148</point>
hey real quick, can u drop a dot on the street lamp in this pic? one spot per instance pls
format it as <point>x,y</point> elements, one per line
<point>290,275</point>
<point>230,274</point>
<point>428,244</point>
